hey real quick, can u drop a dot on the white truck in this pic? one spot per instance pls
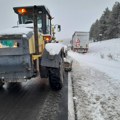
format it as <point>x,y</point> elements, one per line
<point>80,41</point>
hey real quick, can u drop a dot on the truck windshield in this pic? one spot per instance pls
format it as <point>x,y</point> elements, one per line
<point>9,44</point>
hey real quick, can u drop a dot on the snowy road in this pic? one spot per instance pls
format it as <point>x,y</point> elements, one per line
<point>32,101</point>
<point>96,97</point>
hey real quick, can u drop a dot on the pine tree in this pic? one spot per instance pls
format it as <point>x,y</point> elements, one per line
<point>108,26</point>
<point>92,32</point>
<point>113,22</point>
<point>104,24</point>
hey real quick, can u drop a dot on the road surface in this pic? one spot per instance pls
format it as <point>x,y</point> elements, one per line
<point>33,101</point>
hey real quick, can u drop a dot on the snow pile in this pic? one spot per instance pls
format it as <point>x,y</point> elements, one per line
<point>30,25</point>
<point>67,60</point>
<point>54,48</point>
<point>104,56</point>
<point>109,50</point>
<point>16,31</point>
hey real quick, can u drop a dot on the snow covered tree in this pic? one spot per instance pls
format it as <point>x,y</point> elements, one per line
<point>108,26</point>
<point>114,21</point>
<point>94,31</point>
<point>103,24</point>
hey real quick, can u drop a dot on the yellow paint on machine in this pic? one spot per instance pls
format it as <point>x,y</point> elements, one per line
<point>31,45</point>
<point>41,44</point>
<point>35,57</point>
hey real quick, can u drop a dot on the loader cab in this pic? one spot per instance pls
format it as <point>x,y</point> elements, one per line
<point>22,49</point>
<point>40,14</point>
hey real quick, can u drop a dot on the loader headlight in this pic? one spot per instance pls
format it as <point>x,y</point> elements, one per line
<point>22,11</point>
<point>47,39</point>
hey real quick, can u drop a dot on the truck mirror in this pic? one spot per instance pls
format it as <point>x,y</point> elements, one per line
<point>59,28</point>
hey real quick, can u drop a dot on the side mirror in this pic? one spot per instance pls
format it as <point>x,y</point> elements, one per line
<point>59,28</point>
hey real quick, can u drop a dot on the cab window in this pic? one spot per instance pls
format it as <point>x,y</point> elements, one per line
<point>47,25</point>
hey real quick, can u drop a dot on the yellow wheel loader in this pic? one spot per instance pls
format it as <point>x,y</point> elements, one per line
<point>26,50</point>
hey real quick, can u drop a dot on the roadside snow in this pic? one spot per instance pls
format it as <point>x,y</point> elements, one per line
<point>104,56</point>
<point>96,97</point>
<point>96,81</point>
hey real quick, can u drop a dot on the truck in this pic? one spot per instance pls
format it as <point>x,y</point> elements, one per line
<point>80,41</point>
<point>26,50</point>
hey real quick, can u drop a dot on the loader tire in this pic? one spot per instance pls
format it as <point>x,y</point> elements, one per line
<point>56,78</point>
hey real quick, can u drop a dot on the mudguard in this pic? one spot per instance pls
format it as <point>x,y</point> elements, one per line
<point>51,58</point>
<point>48,60</point>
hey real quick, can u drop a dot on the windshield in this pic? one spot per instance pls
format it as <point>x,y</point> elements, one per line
<point>27,19</point>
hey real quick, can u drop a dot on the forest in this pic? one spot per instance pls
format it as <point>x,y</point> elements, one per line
<point>107,26</point>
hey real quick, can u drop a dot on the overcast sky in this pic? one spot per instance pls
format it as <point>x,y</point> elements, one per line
<point>72,15</point>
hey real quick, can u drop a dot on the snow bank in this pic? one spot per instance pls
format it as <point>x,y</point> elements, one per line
<point>109,49</point>
<point>104,56</point>
<point>54,48</point>
<point>96,81</point>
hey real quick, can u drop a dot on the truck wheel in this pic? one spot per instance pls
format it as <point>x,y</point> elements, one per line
<point>56,78</point>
